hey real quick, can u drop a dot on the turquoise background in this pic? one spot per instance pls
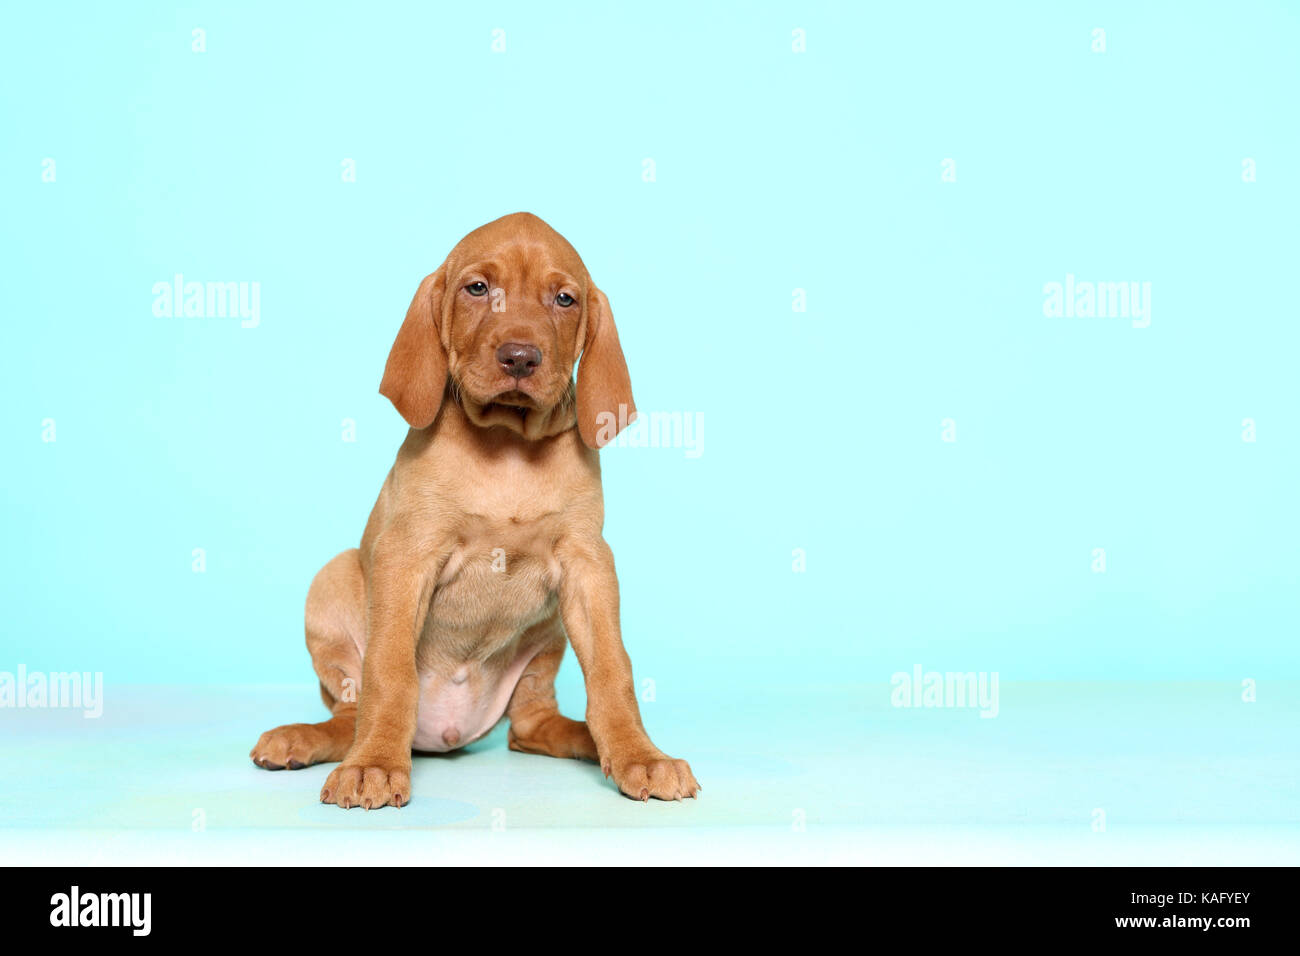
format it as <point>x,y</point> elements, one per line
<point>775,171</point>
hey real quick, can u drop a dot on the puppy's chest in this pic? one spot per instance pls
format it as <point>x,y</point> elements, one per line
<point>505,510</point>
<point>500,578</point>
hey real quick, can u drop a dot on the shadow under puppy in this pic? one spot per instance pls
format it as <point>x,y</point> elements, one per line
<point>484,550</point>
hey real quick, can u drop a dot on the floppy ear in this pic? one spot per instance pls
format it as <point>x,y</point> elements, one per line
<point>604,387</point>
<point>416,373</point>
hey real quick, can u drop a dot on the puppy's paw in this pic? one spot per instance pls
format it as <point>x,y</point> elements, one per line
<point>294,746</point>
<point>368,782</point>
<point>653,774</point>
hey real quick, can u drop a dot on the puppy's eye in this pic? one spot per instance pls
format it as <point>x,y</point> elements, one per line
<point>564,300</point>
<point>477,288</point>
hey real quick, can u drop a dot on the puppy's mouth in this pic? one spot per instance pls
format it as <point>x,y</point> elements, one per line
<point>532,416</point>
<point>513,402</point>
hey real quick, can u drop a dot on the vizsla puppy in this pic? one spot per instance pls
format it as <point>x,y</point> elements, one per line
<point>484,550</point>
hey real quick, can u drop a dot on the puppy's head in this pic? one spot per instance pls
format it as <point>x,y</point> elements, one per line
<point>504,320</point>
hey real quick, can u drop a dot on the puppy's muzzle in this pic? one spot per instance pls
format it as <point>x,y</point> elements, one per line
<point>519,361</point>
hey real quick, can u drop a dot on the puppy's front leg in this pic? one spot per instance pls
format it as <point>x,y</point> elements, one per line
<point>589,607</point>
<point>377,768</point>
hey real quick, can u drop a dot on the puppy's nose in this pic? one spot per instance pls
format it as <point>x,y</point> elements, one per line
<point>519,361</point>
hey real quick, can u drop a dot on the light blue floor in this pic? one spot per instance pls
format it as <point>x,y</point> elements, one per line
<point>1183,773</point>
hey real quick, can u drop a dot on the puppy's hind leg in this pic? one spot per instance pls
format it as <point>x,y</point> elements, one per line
<point>336,638</point>
<point>536,725</point>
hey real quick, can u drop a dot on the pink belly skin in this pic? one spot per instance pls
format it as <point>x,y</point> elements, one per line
<point>460,707</point>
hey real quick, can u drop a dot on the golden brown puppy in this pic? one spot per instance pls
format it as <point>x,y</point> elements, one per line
<point>484,549</point>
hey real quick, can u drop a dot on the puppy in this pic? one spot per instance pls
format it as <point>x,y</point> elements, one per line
<point>484,551</point>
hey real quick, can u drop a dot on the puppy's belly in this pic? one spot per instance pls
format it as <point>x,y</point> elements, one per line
<point>486,601</point>
<point>460,704</point>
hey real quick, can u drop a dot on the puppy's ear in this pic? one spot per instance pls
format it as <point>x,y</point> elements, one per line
<point>604,387</point>
<point>416,373</point>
